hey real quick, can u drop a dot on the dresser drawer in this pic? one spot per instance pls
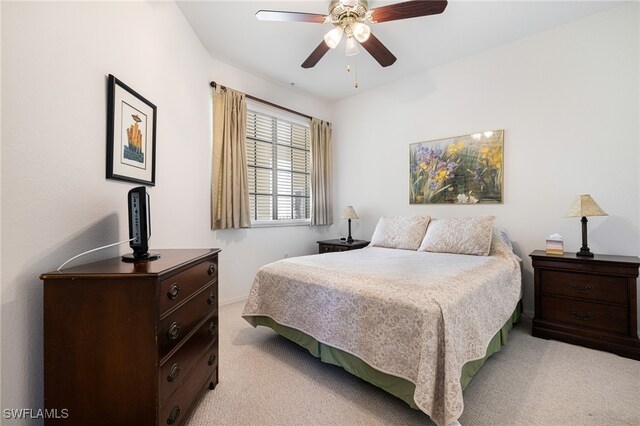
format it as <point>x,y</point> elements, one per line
<point>326,249</point>
<point>176,408</point>
<point>331,249</point>
<point>585,286</point>
<point>585,314</point>
<point>584,265</point>
<point>179,323</point>
<point>179,287</point>
<point>176,368</point>
<point>329,246</point>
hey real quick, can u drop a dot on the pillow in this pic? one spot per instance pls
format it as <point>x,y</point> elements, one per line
<point>401,232</point>
<point>501,244</point>
<point>502,233</point>
<point>459,235</point>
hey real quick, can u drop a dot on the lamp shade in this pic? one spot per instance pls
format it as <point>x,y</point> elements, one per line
<point>361,31</point>
<point>351,46</point>
<point>583,205</point>
<point>349,213</point>
<point>333,37</point>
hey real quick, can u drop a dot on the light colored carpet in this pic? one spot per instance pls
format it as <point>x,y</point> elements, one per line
<point>267,380</point>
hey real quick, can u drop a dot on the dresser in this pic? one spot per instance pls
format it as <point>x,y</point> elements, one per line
<point>328,246</point>
<point>131,343</point>
<point>587,301</point>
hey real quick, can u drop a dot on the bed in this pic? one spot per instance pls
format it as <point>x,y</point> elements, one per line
<point>418,324</point>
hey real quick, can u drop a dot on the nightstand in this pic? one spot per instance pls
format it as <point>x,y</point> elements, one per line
<point>328,246</point>
<point>587,301</point>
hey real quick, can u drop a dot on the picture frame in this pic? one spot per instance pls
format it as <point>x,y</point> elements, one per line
<point>131,135</point>
<point>466,169</point>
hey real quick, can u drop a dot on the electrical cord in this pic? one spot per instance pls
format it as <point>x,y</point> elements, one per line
<point>92,250</point>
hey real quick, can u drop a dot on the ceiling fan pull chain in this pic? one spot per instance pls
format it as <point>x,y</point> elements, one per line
<point>356,67</point>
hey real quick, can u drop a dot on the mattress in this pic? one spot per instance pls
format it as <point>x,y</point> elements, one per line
<point>411,315</point>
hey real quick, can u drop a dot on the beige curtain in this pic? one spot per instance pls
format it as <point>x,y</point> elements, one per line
<point>321,189</point>
<point>229,187</point>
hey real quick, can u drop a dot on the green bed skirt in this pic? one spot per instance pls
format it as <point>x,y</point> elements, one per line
<point>396,386</point>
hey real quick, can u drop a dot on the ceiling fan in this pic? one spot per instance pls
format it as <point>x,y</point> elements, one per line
<point>350,18</point>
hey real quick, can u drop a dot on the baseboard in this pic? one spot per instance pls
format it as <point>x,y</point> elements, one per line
<point>234,300</point>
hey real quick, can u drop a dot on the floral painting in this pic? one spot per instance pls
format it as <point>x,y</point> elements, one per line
<point>460,170</point>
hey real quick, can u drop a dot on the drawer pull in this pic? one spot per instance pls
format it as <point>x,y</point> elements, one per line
<point>212,359</point>
<point>586,317</point>
<point>212,269</point>
<point>174,415</point>
<point>586,288</point>
<point>173,373</point>
<point>211,298</point>
<point>174,331</point>
<point>173,292</point>
<point>212,328</point>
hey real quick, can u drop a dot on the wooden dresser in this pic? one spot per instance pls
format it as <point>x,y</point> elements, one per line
<point>131,343</point>
<point>587,301</point>
<point>328,246</point>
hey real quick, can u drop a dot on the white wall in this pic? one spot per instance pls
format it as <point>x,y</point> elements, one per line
<point>55,199</point>
<point>568,100</point>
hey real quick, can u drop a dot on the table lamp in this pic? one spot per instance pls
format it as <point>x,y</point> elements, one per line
<point>349,213</point>
<point>584,205</point>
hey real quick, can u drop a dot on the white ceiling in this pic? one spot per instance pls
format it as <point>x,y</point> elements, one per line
<point>275,50</point>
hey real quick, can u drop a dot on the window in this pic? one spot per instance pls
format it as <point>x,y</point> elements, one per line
<point>278,160</point>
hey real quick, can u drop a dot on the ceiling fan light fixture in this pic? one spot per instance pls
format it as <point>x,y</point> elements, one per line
<point>333,37</point>
<point>351,17</point>
<point>351,46</point>
<point>361,31</point>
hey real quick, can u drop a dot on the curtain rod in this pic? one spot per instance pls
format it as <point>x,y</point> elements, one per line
<point>214,84</point>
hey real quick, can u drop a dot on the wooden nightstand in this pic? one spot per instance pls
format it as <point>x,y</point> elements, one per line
<point>587,301</point>
<point>328,246</point>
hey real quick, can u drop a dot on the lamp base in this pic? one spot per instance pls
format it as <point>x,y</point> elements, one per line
<point>584,252</point>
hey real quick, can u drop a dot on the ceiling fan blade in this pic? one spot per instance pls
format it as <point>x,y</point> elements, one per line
<point>275,15</point>
<point>316,55</point>
<point>379,51</point>
<point>409,9</point>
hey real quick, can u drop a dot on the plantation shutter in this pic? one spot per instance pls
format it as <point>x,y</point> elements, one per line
<point>278,163</point>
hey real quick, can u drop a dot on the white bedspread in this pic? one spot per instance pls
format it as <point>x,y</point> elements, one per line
<point>416,315</point>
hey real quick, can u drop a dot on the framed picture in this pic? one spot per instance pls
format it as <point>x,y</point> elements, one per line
<point>460,170</point>
<point>131,135</point>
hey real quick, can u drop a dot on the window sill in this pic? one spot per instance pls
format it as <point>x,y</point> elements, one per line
<point>278,223</point>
